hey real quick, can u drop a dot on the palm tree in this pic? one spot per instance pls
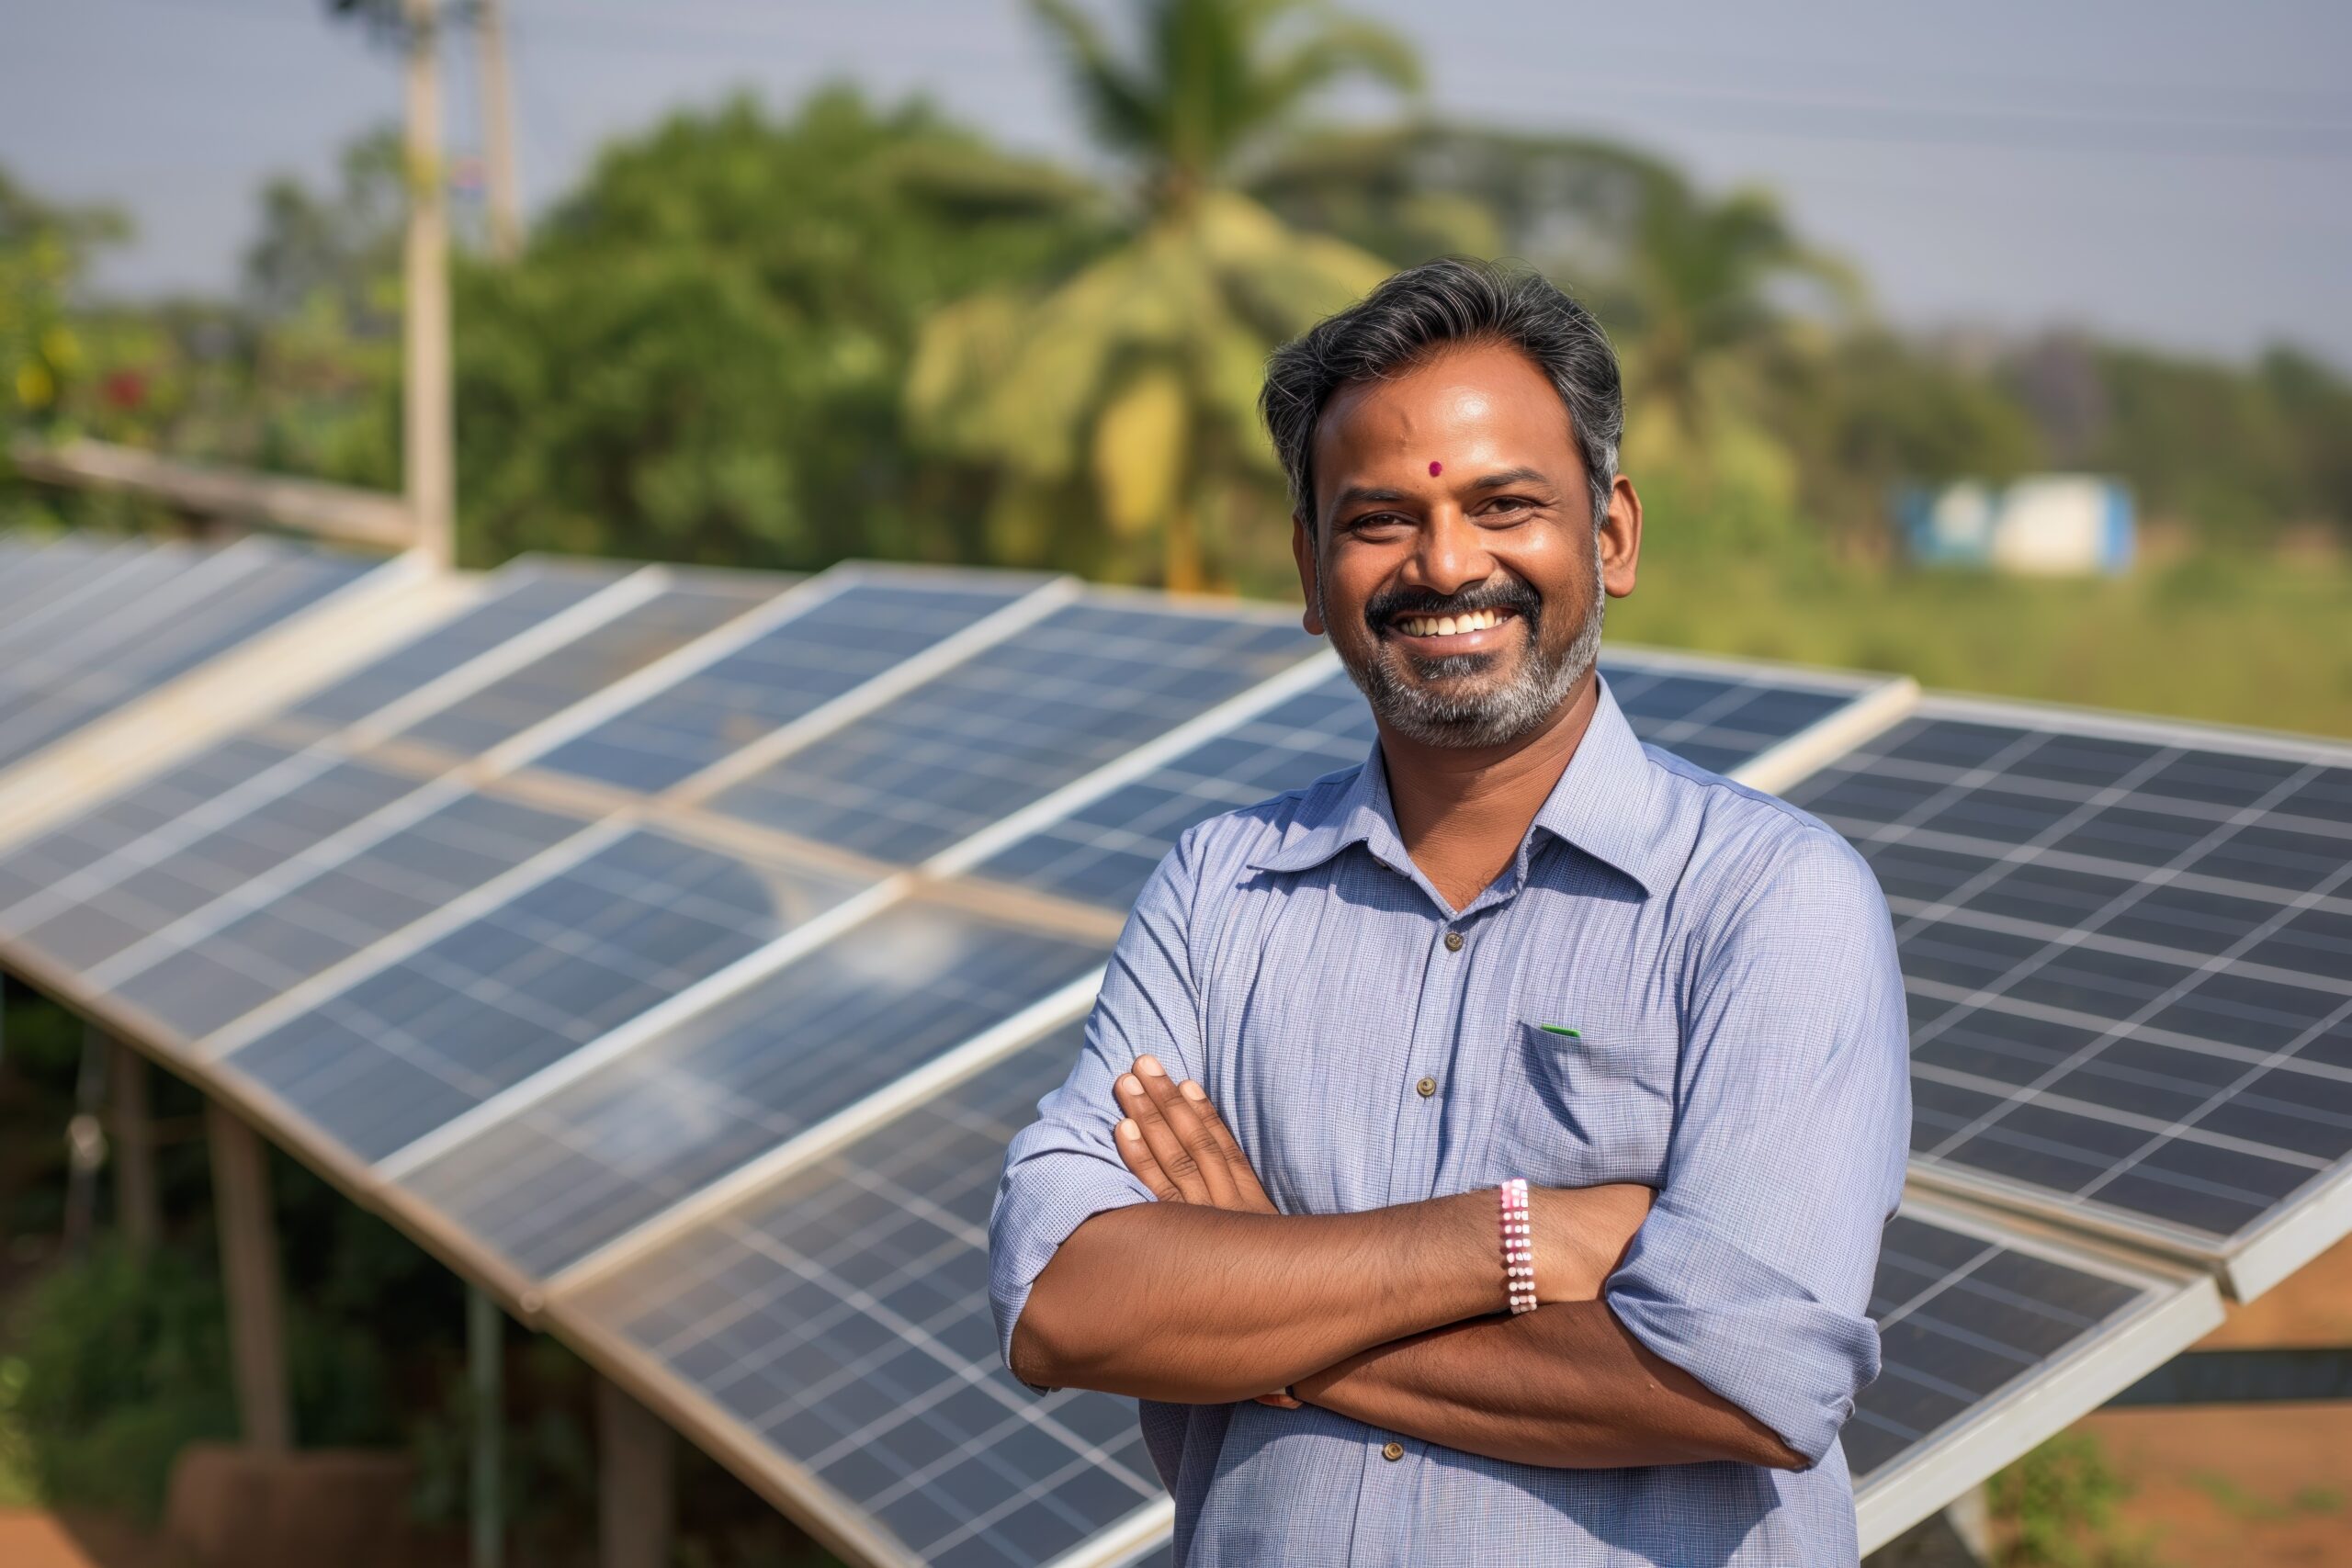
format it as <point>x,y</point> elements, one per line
<point>1134,382</point>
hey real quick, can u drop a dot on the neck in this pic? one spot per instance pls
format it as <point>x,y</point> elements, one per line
<point>1462,811</point>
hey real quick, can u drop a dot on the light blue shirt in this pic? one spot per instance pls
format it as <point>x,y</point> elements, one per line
<point>1728,968</point>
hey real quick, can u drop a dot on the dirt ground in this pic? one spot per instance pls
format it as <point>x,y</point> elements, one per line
<point>2249,1487</point>
<point>29,1539</point>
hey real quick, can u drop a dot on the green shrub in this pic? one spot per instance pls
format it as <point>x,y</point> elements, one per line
<point>122,1361</point>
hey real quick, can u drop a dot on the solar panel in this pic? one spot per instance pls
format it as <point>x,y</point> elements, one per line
<point>38,574</point>
<point>838,1317</point>
<point>2125,948</point>
<point>1013,723</point>
<point>263,946</point>
<point>161,635</point>
<point>1991,1341</point>
<point>558,1180</point>
<point>1104,851</point>
<point>514,600</point>
<point>1719,716</point>
<point>139,902</point>
<point>476,1009</point>
<point>833,646</point>
<point>48,861</point>
<point>80,607</point>
<point>587,664</point>
<point>207,793</point>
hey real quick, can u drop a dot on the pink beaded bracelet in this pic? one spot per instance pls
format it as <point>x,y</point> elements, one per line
<point>1518,1246</point>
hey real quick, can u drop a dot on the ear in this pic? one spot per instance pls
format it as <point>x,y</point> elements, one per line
<point>1302,549</point>
<point>1621,539</point>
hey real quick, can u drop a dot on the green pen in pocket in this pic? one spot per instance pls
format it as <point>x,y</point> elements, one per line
<point>1560,1029</point>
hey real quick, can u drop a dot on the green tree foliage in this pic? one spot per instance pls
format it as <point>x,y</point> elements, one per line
<point>1120,401</point>
<point>44,248</point>
<point>700,354</point>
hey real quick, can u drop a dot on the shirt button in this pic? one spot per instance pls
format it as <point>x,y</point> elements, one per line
<point>1425,1088</point>
<point>1392,1452</point>
<point>1454,942</point>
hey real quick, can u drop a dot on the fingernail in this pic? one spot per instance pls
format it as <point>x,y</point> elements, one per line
<point>1130,1131</point>
<point>1193,1091</point>
<point>1152,1065</point>
<point>1130,1084</point>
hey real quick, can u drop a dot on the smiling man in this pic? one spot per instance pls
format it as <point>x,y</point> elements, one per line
<point>1478,1155</point>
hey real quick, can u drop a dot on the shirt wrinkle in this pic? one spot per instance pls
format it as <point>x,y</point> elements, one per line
<point>1677,981</point>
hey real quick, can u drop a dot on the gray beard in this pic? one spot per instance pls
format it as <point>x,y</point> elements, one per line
<point>1494,717</point>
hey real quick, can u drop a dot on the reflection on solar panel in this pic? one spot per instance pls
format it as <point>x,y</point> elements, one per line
<point>2125,956</point>
<point>555,1182</point>
<point>1013,723</point>
<point>514,600</point>
<point>177,623</point>
<point>587,664</point>
<point>820,653</point>
<point>839,1317</point>
<point>481,1006</point>
<point>264,946</point>
<point>1104,851</point>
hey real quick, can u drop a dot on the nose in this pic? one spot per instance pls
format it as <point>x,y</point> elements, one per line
<point>1450,554</point>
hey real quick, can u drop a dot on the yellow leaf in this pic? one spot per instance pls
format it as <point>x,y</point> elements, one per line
<point>1140,450</point>
<point>35,386</point>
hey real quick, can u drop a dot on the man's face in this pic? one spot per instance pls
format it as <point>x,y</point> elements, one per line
<point>1453,561</point>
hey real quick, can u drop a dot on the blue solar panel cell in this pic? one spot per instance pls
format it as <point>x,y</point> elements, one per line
<point>840,1316</point>
<point>399,1052</point>
<point>836,644</point>
<point>137,902</point>
<point>514,600</point>
<point>2125,961</point>
<point>257,947</point>
<point>586,664</point>
<point>561,1178</point>
<point>1013,723</point>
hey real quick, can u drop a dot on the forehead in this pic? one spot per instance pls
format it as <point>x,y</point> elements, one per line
<point>1459,405</point>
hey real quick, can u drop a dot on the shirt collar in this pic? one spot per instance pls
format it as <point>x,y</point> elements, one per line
<point>1606,804</point>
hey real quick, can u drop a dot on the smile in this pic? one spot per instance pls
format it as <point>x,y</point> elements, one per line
<point>1450,625</point>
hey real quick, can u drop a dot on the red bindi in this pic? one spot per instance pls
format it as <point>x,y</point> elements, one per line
<point>1436,469</point>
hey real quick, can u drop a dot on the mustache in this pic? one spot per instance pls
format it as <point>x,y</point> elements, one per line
<point>1497,593</point>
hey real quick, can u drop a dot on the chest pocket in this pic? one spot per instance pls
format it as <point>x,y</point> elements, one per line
<point>1577,1110</point>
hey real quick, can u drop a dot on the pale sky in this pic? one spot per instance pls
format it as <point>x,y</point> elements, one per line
<point>2179,173</point>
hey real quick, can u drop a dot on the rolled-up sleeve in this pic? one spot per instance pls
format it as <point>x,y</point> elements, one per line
<point>1062,1169</point>
<point>1753,1270</point>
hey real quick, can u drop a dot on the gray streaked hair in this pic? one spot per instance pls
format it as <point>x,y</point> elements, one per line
<point>1427,308</point>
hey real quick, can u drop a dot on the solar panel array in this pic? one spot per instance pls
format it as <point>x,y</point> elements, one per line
<point>675,952</point>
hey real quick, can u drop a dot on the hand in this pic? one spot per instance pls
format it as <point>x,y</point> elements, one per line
<point>1176,1144</point>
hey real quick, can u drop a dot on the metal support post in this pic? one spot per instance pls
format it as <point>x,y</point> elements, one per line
<point>249,1271</point>
<point>635,1489</point>
<point>486,1366</point>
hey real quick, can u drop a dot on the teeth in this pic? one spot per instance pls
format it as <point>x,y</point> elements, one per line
<point>1450,625</point>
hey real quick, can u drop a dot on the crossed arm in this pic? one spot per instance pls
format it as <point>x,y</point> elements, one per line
<point>1394,1317</point>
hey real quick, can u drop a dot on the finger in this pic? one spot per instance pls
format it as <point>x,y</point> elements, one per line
<point>1137,1156</point>
<point>1278,1401</point>
<point>1184,1119</point>
<point>1245,1176</point>
<point>1175,1160</point>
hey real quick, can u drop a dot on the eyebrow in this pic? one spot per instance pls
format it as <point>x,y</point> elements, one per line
<point>1510,476</point>
<point>1358,494</point>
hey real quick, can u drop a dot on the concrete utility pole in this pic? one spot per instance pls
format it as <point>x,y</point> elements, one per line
<point>498,130</point>
<point>429,428</point>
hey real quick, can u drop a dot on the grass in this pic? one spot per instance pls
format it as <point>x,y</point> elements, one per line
<point>2232,641</point>
<point>2241,1504</point>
